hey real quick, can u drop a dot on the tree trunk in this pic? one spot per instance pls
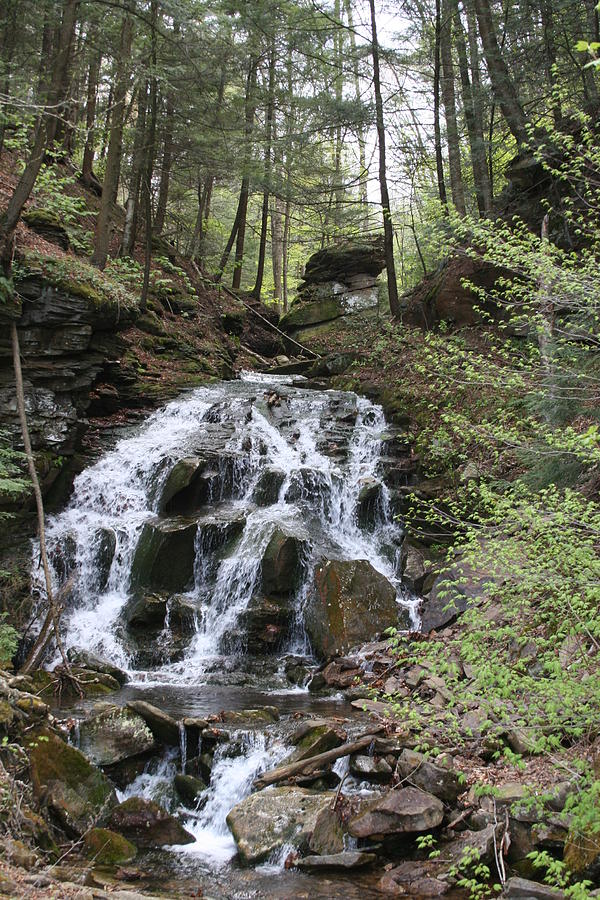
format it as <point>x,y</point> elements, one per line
<point>338,188</point>
<point>45,134</point>
<point>137,161</point>
<point>87,167</point>
<point>449,100</point>
<point>388,229</point>
<point>277,249</point>
<point>363,173</point>
<point>285,261</point>
<point>264,224</point>
<point>437,131</point>
<point>167,161</point>
<point>245,188</point>
<point>478,106</point>
<point>502,84</point>
<point>149,159</point>
<point>481,178</point>
<point>115,144</point>
<point>7,52</point>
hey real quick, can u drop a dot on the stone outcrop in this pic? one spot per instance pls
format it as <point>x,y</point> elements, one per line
<point>339,281</point>
<point>146,824</point>
<point>351,603</point>
<point>405,811</point>
<point>263,822</point>
<point>114,734</point>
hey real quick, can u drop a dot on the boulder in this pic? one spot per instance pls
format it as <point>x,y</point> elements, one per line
<point>328,834</point>
<point>425,774</point>
<point>181,617</point>
<point>146,824</point>
<point>451,594</point>
<point>189,789</point>
<point>147,613</point>
<point>404,811</point>
<point>268,486</point>
<point>281,563</point>
<point>107,848</point>
<point>523,889</point>
<point>164,557</point>
<point>164,728</point>
<point>105,544</point>
<point>415,879</point>
<point>315,736</point>
<point>351,604</point>
<point>87,660</point>
<point>368,768</point>
<point>263,715</point>
<point>369,497</point>
<point>416,567</point>
<point>582,854</point>
<point>266,820</point>
<point>350,859</point>
<point>344,260</point>
<point>266,622</point>
<point>114,734</point>
<point>183,489</point>
<point>75,791</point>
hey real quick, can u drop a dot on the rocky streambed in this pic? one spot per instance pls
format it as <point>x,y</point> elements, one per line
<point>233,566</point>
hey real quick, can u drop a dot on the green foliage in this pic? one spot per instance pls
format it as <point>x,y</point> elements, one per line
<point>9,640</point>
<point>473,875</point>
<point>12,483</point>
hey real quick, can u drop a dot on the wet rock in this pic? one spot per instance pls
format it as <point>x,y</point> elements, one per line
<point>268,486</point>
<point>350,859</point>
<point>266,622</point>
<point>146,824</point>
<point>107,848</point>
<point>328,833</point>
<point>281,563</point>
<point>189,789</point>
<point>369,496</point>
<point>351,604</point>
<point>87,660</point>
<point>341,673</point>
<point>164,728</point>
<point>370,769</point>
<point>264,715</point>
<point>123,773</point>
<point>164,557</point>
<point>182,617</point>
<point>147,613</point>
<point>75,791</point>
<point>113,735</point>
<point>438,780</point>
<point>523,889</point>
<point>200,766</point>
<point>315,736</point>
<point>180,490</point>
<point>263,822</point>
<point>416,567</point>
<point>404,811</point>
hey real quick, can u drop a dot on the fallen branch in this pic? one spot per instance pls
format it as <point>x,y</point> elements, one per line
<point>283,772</point>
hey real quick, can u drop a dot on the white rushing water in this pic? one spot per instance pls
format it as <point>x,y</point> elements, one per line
<point>325,446</point>
<point>318,499</point>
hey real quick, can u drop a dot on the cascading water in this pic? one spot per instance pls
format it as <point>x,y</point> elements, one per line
<point>315,454</point>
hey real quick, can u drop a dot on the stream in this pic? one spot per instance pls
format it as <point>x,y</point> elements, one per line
<point>164,538</point>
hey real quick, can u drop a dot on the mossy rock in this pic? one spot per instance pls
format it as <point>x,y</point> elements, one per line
<point>75,791</point>
<point>150,323</point>
<point>47,224</point>
<point>107,848</point>
<point>7,715</point>
<point>582,854</point>
<point>92,684</point>
<point>320,309</point>
<point>164,557</point>
<point>148,824</point>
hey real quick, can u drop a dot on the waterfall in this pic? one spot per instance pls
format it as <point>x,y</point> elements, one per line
<point>321,449</point>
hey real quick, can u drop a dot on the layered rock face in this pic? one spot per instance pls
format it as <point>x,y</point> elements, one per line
<point>338,281</point>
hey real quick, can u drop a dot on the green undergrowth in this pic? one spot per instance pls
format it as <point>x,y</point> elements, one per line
<point>75,276</point>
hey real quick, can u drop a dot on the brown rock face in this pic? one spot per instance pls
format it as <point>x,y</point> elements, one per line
<point>146,824</point>
<point>351,604</point>
<point>407,811</point>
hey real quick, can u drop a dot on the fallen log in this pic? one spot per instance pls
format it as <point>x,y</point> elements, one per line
<point>283,772</point>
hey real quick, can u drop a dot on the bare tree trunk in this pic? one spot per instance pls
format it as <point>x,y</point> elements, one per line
<point>285,261</point>
<point>167,161</point>
<point>150,151</point>
<point>487,187</point>
<point>277,249</point>
<point>481,178</point>
<point>6,55</point>
<point>45,133</point>
<point>449,100</point>
<point>437,131</point>
<point>363,174</point>
<point>338,189</point>
<point>388,228</point>
<point>137,161</point>
<point>87,167</point>
<point>502,84</point>
<point>245,188</point>
<point>115,145</point>
<point>53,611</point>
<point>550,57</point>
<point>262,249</point>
